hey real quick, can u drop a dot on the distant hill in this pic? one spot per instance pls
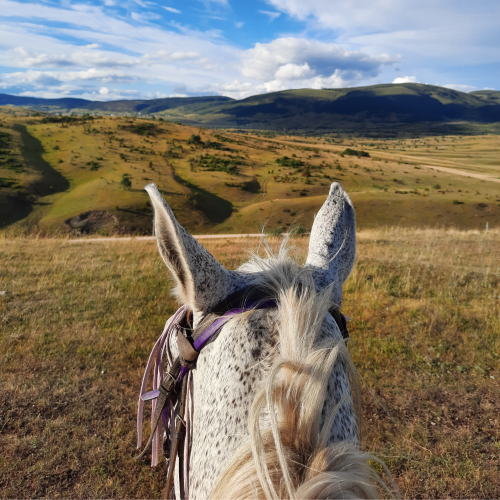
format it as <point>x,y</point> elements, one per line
<point>306,109</point>
<point>69,104</point>
<point>489,96</point>
<point>385,104</point>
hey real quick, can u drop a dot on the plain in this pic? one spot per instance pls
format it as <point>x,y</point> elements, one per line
<point>79,319</point>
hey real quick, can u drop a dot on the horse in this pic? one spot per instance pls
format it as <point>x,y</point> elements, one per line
<point>273,404</point>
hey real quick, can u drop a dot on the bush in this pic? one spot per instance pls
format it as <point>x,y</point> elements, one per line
<point>298,230</point>
<point>277,232</point>
<point>284,161</point>
<point>146,129</point>
<point>195,139</point>
<point>126,182</point>
<point>354,152</point>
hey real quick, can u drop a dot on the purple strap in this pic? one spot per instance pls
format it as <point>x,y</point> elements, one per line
<point>150,395</point>
<point>205,336</point>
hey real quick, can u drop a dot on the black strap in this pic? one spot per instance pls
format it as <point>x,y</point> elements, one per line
<point>340,320</point>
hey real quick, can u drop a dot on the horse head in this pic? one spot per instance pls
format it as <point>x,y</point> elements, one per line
<point>273,401</point>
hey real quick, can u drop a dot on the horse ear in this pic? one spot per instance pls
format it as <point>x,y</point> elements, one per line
<point>201,281</point>
<point>332,245</point>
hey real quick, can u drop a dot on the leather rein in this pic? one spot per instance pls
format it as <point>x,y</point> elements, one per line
<point>175,381</point>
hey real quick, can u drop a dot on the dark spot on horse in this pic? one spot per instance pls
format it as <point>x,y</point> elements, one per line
<point>255,352</point>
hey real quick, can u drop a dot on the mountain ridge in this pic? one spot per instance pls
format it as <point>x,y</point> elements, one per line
<point>384,104</point>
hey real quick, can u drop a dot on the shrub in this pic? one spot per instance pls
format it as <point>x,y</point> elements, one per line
<point>195,139</point>
<point>284,161</point>
<point>126,182</point>
<point>277,232</point>
<point>354,152</point>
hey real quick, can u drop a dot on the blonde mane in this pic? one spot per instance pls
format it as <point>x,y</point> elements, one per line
<point>287,454</point>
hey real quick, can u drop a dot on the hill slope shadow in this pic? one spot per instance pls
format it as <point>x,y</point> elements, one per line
<point>215,209</point>
<point>20,205</point>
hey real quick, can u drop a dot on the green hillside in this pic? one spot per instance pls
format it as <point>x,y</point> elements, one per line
<point>87,175</point>
<point>488,96</point>
<point>380,104</point>
<point>409,107</point>
<point>69,105</point>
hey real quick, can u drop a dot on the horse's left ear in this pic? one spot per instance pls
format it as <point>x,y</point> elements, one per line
<point>332,245</point>
<point>201,281</point>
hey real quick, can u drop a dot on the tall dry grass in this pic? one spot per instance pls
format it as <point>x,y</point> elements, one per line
<point>78,322</point>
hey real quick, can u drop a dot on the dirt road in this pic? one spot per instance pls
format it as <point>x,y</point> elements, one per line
<point>152,238</point>
<point>463,172</point>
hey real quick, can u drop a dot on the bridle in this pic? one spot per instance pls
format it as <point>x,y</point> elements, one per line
<point>177,379</point>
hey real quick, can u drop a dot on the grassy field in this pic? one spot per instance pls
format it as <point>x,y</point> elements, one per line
<point>79,319</point>
<point>92,171</point>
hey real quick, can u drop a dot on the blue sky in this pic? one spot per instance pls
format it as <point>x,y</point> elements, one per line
<point>136,49</point>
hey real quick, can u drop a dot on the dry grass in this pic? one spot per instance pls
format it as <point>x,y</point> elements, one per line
<point>79,321</point>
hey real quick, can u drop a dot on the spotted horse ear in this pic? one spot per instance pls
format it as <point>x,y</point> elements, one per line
<point>332,245</point>
<point>201,281</point>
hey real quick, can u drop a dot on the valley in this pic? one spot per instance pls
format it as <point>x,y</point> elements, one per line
<point>86,174</point>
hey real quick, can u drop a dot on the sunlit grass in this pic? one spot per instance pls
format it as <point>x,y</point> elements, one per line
<point>79,320</point>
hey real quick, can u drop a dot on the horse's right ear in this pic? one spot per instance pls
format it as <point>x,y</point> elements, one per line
<point>201,281</point>
<point>332,245</point>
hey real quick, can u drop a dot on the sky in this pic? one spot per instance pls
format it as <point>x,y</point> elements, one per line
<point>142,49</point>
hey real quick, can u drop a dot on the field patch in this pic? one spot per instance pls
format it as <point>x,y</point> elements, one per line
<point>78,323</point>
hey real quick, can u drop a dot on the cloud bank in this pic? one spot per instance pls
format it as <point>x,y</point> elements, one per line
<point>109,49</point>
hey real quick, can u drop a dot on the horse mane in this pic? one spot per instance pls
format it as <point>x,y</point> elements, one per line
<point>287,453</point>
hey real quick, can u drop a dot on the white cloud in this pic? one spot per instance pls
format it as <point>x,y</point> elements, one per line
<point>60,47</point>
<point>175,56</point>
<point>144,17</point>
<point>171,9</point>
<point>466,32</point>
<point>292,71</point>
<point>405,79</point>
<point>102,59</point>
<point>272,15</point>
<point>460,88</point>
<point>156,59</point>
<point>144,3</point>
<point>40,79</point>
<point>265,61</point>
<point>104,91</point>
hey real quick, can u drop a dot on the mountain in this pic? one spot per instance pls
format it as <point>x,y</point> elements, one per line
<point>385,104</point>
<point>69,104</point>
<point>306,109</point>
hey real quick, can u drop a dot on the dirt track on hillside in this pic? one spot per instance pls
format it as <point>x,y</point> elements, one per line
<point>152,238</point>
<point>462,172</point>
